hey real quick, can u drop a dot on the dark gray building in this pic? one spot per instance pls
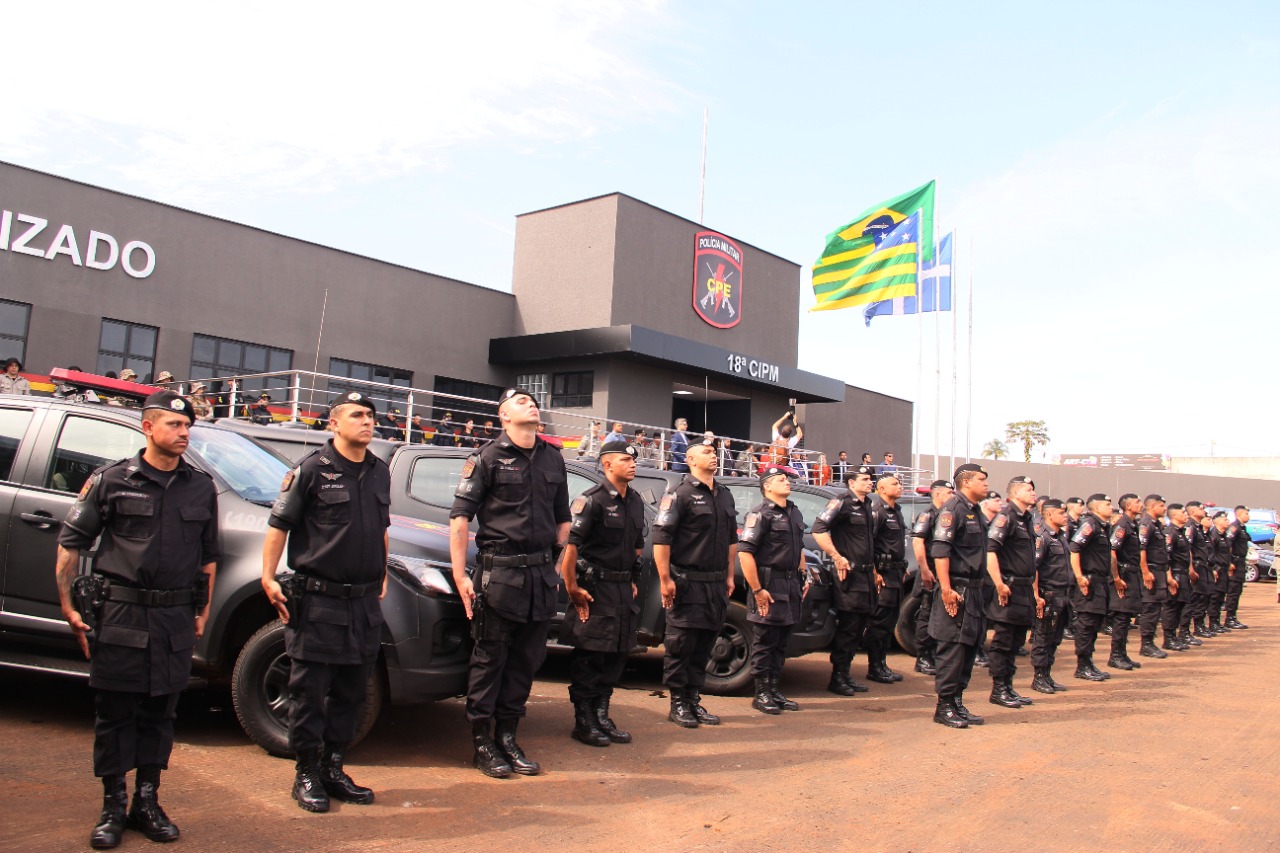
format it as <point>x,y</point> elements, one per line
<point>618,310</point>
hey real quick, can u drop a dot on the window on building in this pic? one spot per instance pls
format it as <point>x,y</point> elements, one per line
<point>571,390</point>
<point>212,358</point>
<point>537,384</point>
<point>14,319</point>
<point>362,372</point>
<point>128,345</point>
<point>463,410</point>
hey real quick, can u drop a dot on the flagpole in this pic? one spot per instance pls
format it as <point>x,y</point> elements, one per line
<point>955,245</point>
<point>915,421</point>
<point>702,178</point>
<point>937,348</point>
<point>968,430</point>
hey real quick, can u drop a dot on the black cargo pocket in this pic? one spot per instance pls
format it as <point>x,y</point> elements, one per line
<point>508,485</point>
<point>333,506</point>
<point>611,529</point>
<point>506,590</point>
<point>178,665</point>
<point>698,517</point>
<point>328,622</point>
<point>375,619</point>
<point>194,519</point>
<point>600,632</point>
<point>384,510</point>
<point>133,517</point>
<point>780,609</point>
<point>551,482</point>
<point>120,653</point>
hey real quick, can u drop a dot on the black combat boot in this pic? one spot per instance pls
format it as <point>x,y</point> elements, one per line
<point>1057,688</point>
<point>611,731</point>
<point>1119,662</point>
<point>1235,624</point>
<point>1173,644</point>
<point>1008,682</point>
<point>1002,695</point>
<point>1219,628</point>
<point>145,813</point>
<point>1132,663</point>
<point>925,665</point>
<point>764,702</point>
<point>586,725</point>
<point>781,701</point>
<point>308,789</point>
<point>841,684</point>
<point>1203,631</point>
<point>981,659</point>
<point>337,783</point>
<point>1098,672</point>
<point>115,802</point>
<point>1086,670</point>
<point>1188,638</point>
<point>705,717</point>
<point>488,759</point>
<point>681,714</point>
<point>947,715</point>
<point>505,735</point>
<point>1149,649</point>
<point>1042,683</point>
<point>967,715</point>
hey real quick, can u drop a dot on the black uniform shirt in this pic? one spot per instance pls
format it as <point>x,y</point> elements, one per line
<point>698,523</point>
<point>158,527</point>
<point>774,534</point>
<point>923,529</point>
<point>889,529</point>
<point>1151,538</point>
<point>1052,563</point>
<point>1012,539</point>
<point>1198,536</point>
<point>1179,548</point>
<point>1092,542</point>
<point>1219,548</point>
<point>520,496</point>
<point>336,512</point>
<point>1237,542</point>
<point>1124,541</point>
<point>848,521</point>
<point>607,528</point>
<point>960,535</point>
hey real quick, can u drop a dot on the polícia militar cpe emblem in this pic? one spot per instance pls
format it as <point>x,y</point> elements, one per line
<point>717,279</point>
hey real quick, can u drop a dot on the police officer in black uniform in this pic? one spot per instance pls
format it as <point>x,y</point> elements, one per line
<point>960,624</point>
<point>149,595</point>
<point>1091,564</point>
<point>1203,587</point>
<point>1238,545</point>
<point>601,570</point>
<point>843,531</point>
<point>1220,558</point>
<point>1053,589</point>
<point>889,529</point>
<point>333,512</point>
<point>695,548</point>
<point>1011,564</point>
<point>1157,579</point>
<point>1126,597</point>
<point>517,488</point>
<point>1180,565</point>
<point>771,549</point>
<point>921,539</point>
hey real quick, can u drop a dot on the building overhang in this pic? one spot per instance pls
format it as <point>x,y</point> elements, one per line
<point>637,343</point>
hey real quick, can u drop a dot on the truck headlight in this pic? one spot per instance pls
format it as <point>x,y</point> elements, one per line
<point>429,576</point>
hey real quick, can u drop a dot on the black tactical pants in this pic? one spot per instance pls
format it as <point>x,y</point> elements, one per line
<point>502,669</point>
<point>925,643</point>
<point>1171,615</point>
<point>684,666</point>
<point>1046,634</point>
<point>132,730</point>
<point>1196,611</point>
<point>1149,619</point>
<point>1235,586</point>
<point>880,627</point>
<point>769,649</point>
<point>325,702</point>
<point>1086,627</point>
<point>1006,639</point>
<point>1119,634</point>
<point>954,662</point>
<point>844,645</point>
<point>593,675</point>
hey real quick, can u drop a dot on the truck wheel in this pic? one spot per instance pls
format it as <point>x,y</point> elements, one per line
<point>260,692</point>
<point>905,630</point>
<point>729,670</point>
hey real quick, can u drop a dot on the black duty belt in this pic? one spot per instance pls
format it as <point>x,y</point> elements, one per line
<point>150,597</point>
<point>1129,565</point>
<point>962,583</point>
<point>862,567</point>
<point>334,589</point>
<point>705,577</point>
<point>537,558</point>
<point>1053,590</point>
<point>1182,571</point>
<point>1019,581</point>
<point>614,577</point>
<point>788,572</point>
<point>891,564</point>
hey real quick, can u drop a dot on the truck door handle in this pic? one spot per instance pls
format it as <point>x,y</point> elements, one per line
<point>38,519</point>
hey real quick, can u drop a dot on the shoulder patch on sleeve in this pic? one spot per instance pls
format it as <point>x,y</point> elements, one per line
<point>752,519</point>
<point>288,480</point>
<point>469,467</point>
<point>833,504</point>
<point>946,519</point>
<point>88,486</point>
<point>1001,520</point>
<point>667,500</point>
<point>579,503</point>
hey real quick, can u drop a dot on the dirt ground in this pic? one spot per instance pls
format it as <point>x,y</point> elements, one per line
<point>1181,755</point>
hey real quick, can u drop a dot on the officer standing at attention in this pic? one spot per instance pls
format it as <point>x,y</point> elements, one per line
<point>1091,560</point>
<point>1184,572</point>
<point>771,548</point>
<point>1053,585</point>
<point>601,568</point>
<point>922,538</point>
<point>843,531</point>
<point>158,518</point>
<point>1198,624</point>
<point>959,625</point>
<point>1126,602</point>
<point>1011,563</point>
<point>1220,556</point>
<point>1157,579</point>
<point>333,512</point>
<point>516,487</point>
<point>1238,543</point>
<point>695,548</point>
<point>889,529</point>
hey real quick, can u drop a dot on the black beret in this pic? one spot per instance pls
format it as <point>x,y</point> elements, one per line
<point>1053,503</point>
<point>352,398</point>
<point>1023,478</point>
<point>967,468</point>
<point>1098,496</point>
<point>617,445</point>
<point>775,471</point>
<point>1127,496</point>
<point>515,392</point>
<point>1074,500</point>
<point>861,469</point>
<point>941,484</point>
<point>992,496</point>
<point>170,401</point>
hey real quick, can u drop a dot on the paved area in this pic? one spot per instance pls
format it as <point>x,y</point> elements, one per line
<point>1181,755</point>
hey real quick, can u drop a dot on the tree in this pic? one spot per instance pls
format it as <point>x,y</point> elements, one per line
<point>1029,433</point>
<point>995,448</point>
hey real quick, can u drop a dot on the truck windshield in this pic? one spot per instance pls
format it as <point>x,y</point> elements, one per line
<point>250,470</point>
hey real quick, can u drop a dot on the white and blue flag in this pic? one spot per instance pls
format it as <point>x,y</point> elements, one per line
<point>934,288</point>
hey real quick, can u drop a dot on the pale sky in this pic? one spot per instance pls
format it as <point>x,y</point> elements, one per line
<point>1110,167</point>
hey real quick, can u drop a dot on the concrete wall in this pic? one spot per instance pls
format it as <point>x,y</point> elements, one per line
<point>865,422</point>
<point>1253,467</point>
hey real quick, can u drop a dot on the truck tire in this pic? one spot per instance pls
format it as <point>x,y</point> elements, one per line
<point>729,670</point>
<point>905,630</point>
<point>260,692</point>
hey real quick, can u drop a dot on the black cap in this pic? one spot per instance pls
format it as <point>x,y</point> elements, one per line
<point>617,445</point>
<point>170,401</point>
<point>1053,503</point>
<point>1023,478</point>
<point>355,398</point>
<point>1098,496</point>
<point>942,484</point>
<point>515,392</point>
<point>969,467</point>
<point>775,471</point>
